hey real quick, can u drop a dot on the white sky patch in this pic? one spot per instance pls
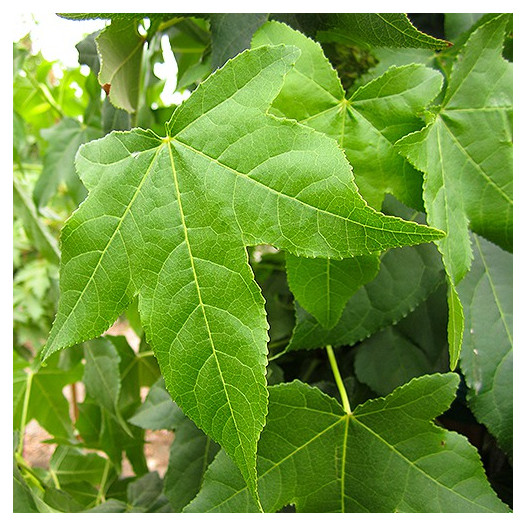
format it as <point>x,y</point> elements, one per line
<point>53,36</point>
<point>168,71</point>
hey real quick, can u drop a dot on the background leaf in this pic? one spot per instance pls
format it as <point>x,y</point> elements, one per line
<point>120,48</point>
<point>487,351</point>
<point>190,454</point>
<point>402,461</point>
<point>377,29</point>
<point>231,34</point>
<point>406,277</point>
<point>475,118</point>
<point>59,166</point>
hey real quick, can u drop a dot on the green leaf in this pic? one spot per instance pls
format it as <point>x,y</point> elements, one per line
<point>387,456</point>
<point>416,346</point>
<point>145,495</point>
<point>231,34</point>
<point>190,43</point>
<point>389,57</point>
<point>376,29</point>
<point>367,124</point>
<point>46,402</point>
<point>120,49</point>
<point>323,286</point>
<point>487,351</point>
<point>158,411</point>
<point>102,376</point>
<point>61,500</point>
<point>190,454</point>
<point>88,54</point>
<point>36,230</point>
<point>371,120</point>
<point>109,506</point>
<point>457,23</point>
<point>64,140</point>
<point>23,498</point>
<point>463,186</point>
<point>112,381</point>
<point>169,219</point>
<point>69,465</point>
<point>406,277</point>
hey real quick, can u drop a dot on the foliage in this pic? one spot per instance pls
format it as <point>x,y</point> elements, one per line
<point>326,184</point>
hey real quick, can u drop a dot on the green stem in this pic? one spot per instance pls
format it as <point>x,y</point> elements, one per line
<point>101,495</point>
<point>47,95</point>
<point>54,478</point>
<point>163,26</point>
<point>339,381</point>
<point>27,472</point>
<point>144,354</point>
<point>23,418</point>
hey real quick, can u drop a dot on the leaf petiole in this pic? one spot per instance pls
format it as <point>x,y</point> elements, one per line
<point>339,381</point>
<point>23,418</point>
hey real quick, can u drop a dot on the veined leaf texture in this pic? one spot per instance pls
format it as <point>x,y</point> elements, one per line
<point>169,218</point>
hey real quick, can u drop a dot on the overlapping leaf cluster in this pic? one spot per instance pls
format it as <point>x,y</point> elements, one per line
<point>266,218</point>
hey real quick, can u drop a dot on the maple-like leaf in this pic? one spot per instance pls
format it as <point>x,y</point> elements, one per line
<point>466,156</point>
<point>366,125</point>
<point>169,219</point>
<point>387,456</point>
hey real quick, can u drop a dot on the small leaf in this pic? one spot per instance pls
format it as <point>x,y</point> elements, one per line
<point>387,456</point>
<point>323,286</point>
<point>34,226</point>
<point>377,29</point>
<point>23,498</point>
<point>190,454</point>
<point>487,351</point>
<point>158,411</point>
<point>70,465</point>
<point>457,23</point>
<point>415,346</point>
<point>145,495</point>
<point>232,33</point>
<point>102,376</point>
<point>88,54</point>
<point>406,277</point>
<point>120,49</point>
<point>59,167</point>
<point>190,43</point>
<point>46,402</point>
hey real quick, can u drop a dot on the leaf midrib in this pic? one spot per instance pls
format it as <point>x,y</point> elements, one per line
<point>347,419</point>
<point>201,303</point>
<point>292,198</point>
<point>477,167</point>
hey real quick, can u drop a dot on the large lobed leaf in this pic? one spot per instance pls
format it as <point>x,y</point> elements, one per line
<point>366,126</point>
<point>384,457</point>
<point>168,219</point>
<point>487,351</point>
<point>466,156</point>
